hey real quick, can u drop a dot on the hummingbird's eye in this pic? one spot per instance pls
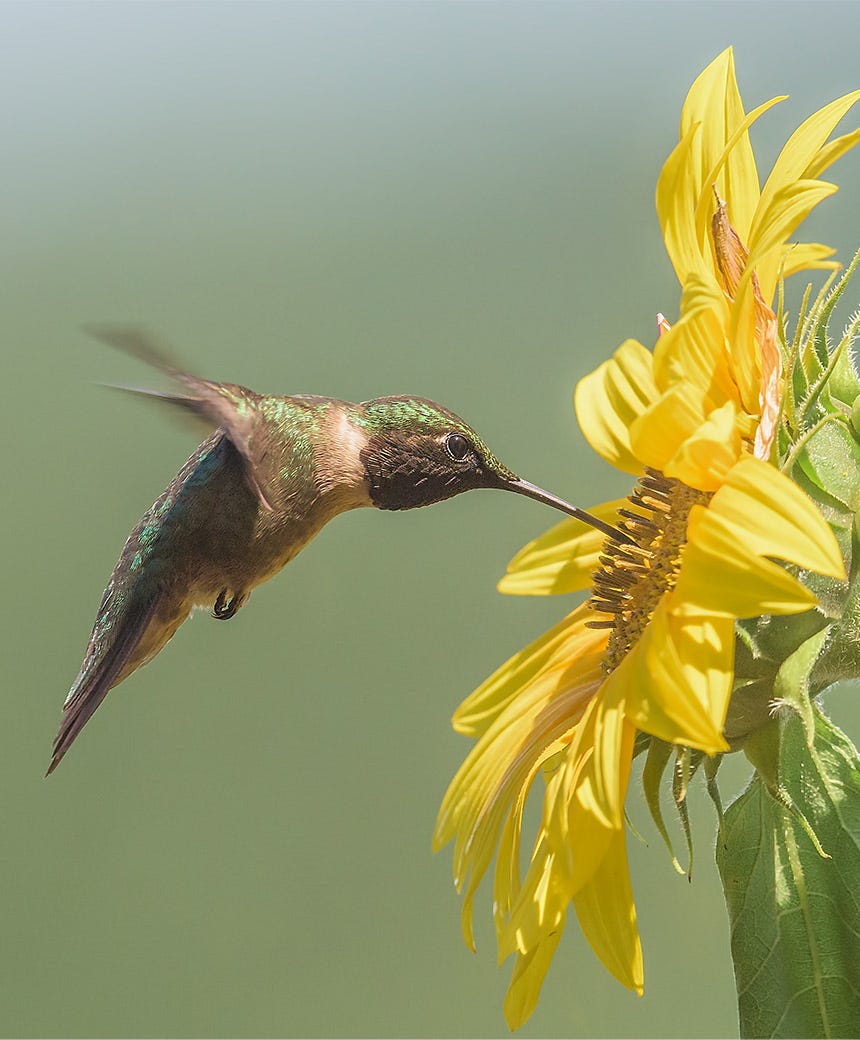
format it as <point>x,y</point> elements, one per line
<point>457,447</point>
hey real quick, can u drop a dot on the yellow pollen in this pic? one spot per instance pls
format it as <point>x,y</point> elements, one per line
<point>632,579</point>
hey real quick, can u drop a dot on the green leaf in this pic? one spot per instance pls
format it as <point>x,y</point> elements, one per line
<point>795,916</point>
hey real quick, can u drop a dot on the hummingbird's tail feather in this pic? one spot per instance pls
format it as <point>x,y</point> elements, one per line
<point>222,404</point>
<point>94,682</point>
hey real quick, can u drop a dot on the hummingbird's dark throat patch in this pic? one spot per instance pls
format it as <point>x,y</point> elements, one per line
<point>405,472</point>
<point>633,578</point>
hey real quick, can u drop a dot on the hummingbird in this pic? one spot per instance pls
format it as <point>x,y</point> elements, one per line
<point>254,493</point>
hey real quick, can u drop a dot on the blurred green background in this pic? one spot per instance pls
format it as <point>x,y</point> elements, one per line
<point>353,200</point>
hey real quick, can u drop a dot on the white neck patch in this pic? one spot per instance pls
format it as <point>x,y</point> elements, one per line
<point>341,470</point>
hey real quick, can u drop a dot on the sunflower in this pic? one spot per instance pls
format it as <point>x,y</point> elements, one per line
<point>652,650</point>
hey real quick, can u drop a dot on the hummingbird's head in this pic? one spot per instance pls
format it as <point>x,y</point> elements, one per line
<point>418,452</point>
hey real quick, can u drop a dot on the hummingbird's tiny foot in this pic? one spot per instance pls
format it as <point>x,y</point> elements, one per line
<point>224,609</point>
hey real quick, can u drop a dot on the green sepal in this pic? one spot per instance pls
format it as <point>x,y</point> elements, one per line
<point>827,373</point>
<point>795,916</point>
<point>844,384</point>
<point>687,761</point>
<point>791,686</point>
<point>659,753</point>
<point>711,768</point>
<point>764,646</point>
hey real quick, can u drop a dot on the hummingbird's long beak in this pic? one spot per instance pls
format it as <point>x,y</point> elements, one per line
<point>523,487</point>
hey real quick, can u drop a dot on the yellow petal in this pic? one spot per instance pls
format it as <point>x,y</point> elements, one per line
<point>722,576</point>
<point>807,256</point>
<point>829,153</point>
<point>504,761</point>
<point>506,879</point>
<point>714,151</point>
<point>586,845</point>
<point>569,640</point>
<point>584,801</point>
<point>527,978</point>
<point>676,681</point>
<point>694,351</point>
<point>540,907</point>
<point>602,784</point>
<point>743,190</point>
<point>679,438</point>
<point>757,513</point>
<point>562,560</point>
<point>786,522</point>
<point>609,399</point>
<point>744,351</point>
<point>715,101</point>
<point>708,454</point>
<point>658,433</point>
<point>791,205</point>
<point>677,195</point>
<point>607,916</point>
<point>803,157</point>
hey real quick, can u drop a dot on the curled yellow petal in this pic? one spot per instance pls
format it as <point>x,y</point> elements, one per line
<point>708,454</point>
<point>541,904</point>
<point>787,524</point>
<point>611,397</point>
<point>694,351</point>
<point>678,437</point>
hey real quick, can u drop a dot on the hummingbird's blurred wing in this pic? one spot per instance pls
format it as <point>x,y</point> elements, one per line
<point>222,404</point>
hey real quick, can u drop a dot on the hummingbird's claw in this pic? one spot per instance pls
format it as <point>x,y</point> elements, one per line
<point>224,609</point>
